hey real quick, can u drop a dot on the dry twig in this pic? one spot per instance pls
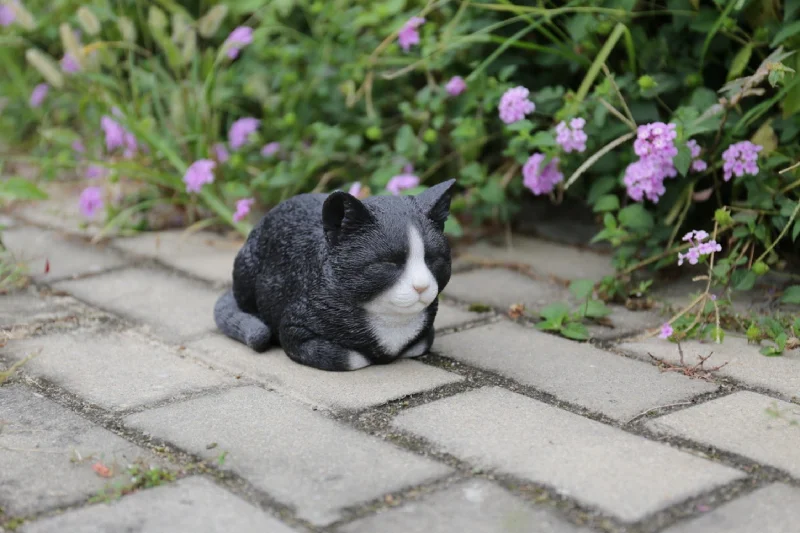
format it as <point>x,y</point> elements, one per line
<point>694,371</point>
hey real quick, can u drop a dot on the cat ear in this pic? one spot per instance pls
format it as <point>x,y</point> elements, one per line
<point>343,213</point>
<point>435,202</point>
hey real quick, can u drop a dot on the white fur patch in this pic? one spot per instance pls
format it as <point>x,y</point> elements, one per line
<point>420,348</point>
<point>398,314</point>
<point>355,361</point>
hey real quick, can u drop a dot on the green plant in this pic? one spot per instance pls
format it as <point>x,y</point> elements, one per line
<point>141,476</point>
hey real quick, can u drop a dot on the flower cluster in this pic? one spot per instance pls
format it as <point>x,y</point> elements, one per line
<point>198,174</point>
<point>740,159</point>
<point>572,137</point>
<point>406,180</point>
<point>7,15</point>
<point>666,331</point>
<point>455,86</point>
<point>514,105</point>
<point>270,149</point>
<point>242,208</point>
<point>238,39</point>
<point>700,247</point>
<point>241,130</point>
<point>408,34</point>
<point>541,180</point>
<point>117,136</point>
<point>91,201</point>
<point>655,146</point>
<point>38,94</point>
<point>698,165</point>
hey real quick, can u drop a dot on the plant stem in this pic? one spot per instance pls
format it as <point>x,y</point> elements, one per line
<point>782,233</point>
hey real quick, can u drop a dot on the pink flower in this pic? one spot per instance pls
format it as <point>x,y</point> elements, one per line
<point>238,39</point>
<point>541,180</point>
<point>645,178</point>
<point>455,86</point>
<point>572,137</point>
<point>198,174</point>
<point>408,34</point>
<point>270,149</point>
<point>77,145</point>
<point>355,189</point>
<point>38,94</point>
<point>514,105</point>
<point>242,208</point>
<point>114,132</point>
<point>241,130</point>
<point>69,64</point>
<point>7,15</point>
<point>666,331</point>
<point>406,180</point>
<point>91,200</point>
<point>95,172</point>
<point>700,248</point>
<point>220,152</point>
<point>739,159</point>
<point>656,140</point>
<point>131,146</point>
<point>698,165</point>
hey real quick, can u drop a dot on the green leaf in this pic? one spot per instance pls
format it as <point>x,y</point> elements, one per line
<point>543,139</point>
<point>601,187</point>
<point>770,351</point>
<point>595,309</point>
<point>683,159</point>
<point>785,33</point>
<point>796,230</point>
<point>520,125</point>
<point>549,325</point>
<point>743,280</point>
<point>581,288</point>
<point>609,221</point>
<point>20,189</point>
<point>608,202</point>
<point>740,61</point>
<point>791,295</point>
<point>453,227</point>
<point>636,217</point>
<point>405,142</point>
<point>556,312</point>
<point>575,331</point>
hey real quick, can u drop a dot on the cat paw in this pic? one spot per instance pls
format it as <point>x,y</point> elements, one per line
<point>355,361</point>
<point>417,350</point>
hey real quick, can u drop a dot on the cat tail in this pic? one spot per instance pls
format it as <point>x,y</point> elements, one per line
<point>240,326</point>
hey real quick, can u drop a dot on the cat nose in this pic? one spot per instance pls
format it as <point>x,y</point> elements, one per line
<point>421,287</point>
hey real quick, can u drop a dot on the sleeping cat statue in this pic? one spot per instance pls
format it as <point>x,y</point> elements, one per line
<point>341,283</point>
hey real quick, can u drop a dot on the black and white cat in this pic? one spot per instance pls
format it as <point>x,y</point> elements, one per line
<point>339,283</point>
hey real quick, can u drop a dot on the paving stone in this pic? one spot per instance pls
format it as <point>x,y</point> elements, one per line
<point>204,255</point>
<point>576,372</point>
<point>173,306</point>
<point>192,504</point>
<point>500,288</point>
<point>564,262</point>
<point>61,211</point>
<point>625,323</point>
<point>27,306</point>
<point>746,423</point>
<point>299,456</point>
<point>745,363</point>
<point>373,385</point>
<point>115,370</point>
<point>68,257</point>
<point>772,509</point>
<point>41,447</point>
<point>474,505</point>
<point>621,474</point>
<point>448,316</point>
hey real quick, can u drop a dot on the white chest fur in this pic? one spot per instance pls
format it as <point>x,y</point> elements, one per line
<point>397,315</point>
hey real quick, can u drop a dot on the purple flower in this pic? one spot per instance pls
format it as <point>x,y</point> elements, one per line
<point>698,165</point>
<point>656,140</point>
<point>114,132</point>
<point>7,15</point>
<point>131,145</point>
<point>700,248</point>
<point>645,178</point>
<point>355,189</point>
<point>514,105</point>
<point>270,149</point>
<point>78,146</point>
<point>91,201</point>
<point>242,208</point>
<point>220,152</point>
<point>408,34</point>
<point>38,94</point>
<point>69,64</point>
<point>666,331</point>
<point>95,172</point>
<point>406,180</point>
<point>455,86</point>
<point>541,180</point>
<point>238,39</point>
<point>198,174</point>
<point>241,130</point>
<point>739,159</point>
<point>572,137</point>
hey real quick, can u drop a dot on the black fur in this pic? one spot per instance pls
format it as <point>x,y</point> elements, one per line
<point>311,263</point>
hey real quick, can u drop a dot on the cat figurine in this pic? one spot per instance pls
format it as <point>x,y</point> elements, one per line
<point>341,283</point>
